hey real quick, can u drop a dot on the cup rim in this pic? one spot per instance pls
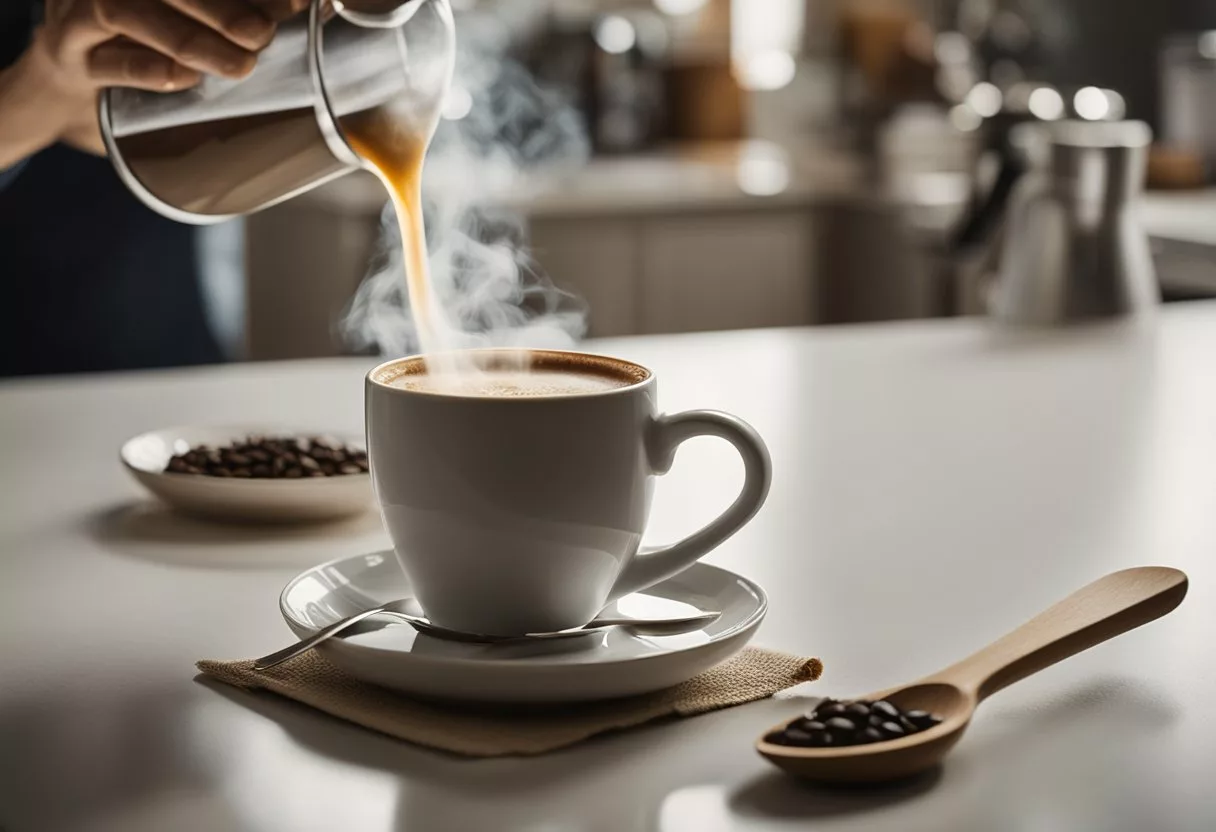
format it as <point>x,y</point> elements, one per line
<point>647,376</point>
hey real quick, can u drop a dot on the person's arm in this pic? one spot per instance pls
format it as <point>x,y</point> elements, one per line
<point>49,94</point>
<point>32,116</point>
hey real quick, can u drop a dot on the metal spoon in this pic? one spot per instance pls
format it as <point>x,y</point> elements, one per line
<point>1102,610</point>
<point>398,610</point>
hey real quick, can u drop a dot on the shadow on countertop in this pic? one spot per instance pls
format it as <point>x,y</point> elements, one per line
<point>151,531</point>
<point>778,795</point>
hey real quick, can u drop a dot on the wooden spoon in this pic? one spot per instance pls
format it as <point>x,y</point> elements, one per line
<point>1106,608</point>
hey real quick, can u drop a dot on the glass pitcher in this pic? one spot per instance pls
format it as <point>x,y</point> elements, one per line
<point>226,148</point>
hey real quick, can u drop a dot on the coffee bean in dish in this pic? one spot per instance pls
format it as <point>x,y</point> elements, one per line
<point>833,724</point>
<point>271,457</point>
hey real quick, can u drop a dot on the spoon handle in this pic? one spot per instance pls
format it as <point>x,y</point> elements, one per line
<point>324,634</point>
<point>1104,609</point>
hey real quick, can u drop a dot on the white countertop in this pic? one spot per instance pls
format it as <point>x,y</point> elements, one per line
<point>935,484</point>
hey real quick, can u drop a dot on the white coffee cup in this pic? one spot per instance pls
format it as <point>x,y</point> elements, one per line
<point>524,514</point>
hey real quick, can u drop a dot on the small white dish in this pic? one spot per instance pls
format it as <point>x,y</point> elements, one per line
<point>604,666</point>
<point>266,500</point>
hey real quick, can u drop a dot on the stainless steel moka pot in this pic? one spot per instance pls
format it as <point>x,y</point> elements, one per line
<point>226,148</point>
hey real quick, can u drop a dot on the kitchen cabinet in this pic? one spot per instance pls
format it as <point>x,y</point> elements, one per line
<point>652,274</point>
<point>699,237</point>
<point>638,271</point>
<point>304,260</point>
<point>725,271</point>
<point>595,260</point>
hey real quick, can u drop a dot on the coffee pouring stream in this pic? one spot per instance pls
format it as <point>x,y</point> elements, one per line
<point>226,148</point>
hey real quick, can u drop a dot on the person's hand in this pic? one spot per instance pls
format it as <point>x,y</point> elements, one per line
<point>163,45</point>
<point>151,44</point>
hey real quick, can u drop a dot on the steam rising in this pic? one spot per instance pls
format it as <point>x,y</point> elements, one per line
<point>485,283</point>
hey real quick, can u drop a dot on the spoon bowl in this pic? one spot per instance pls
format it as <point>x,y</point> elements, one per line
<point>892,759</point>
<point>1102,610</point>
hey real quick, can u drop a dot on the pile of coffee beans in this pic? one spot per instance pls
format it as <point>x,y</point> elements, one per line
<point>835,723</point>
<point>272,457</point>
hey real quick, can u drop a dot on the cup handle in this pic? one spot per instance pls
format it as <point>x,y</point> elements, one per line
<point>665,435</point>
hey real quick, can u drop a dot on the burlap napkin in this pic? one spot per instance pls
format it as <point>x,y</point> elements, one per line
<point>752,674</point>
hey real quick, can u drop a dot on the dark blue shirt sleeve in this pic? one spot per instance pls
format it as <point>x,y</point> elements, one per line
<point>9,174</point>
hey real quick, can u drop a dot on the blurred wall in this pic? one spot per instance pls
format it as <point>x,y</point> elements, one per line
<point>1114,43</point>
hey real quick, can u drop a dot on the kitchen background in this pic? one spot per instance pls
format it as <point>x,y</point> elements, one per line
<point>687,165</point>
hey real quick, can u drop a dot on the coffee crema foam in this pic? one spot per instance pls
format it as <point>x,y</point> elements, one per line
<point>511,384</point>
<point>537,374</point>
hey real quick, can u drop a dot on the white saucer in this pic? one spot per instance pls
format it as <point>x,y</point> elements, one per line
<point>278,500</point>
<point>604,666</point>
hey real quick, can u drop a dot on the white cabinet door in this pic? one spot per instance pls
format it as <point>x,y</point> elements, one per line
<point>303,264</point>
<point>596,259</point>
<point>726,271</point>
